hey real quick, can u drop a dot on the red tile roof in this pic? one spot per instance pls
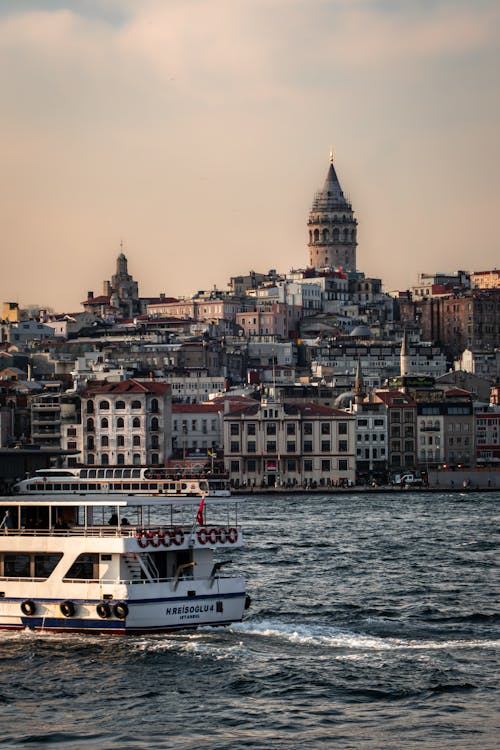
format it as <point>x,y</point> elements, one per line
<point>129,386</point>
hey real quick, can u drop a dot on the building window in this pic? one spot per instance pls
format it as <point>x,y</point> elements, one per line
<point>136,422</point>
<point>325,465</point>
<point>290,428</point>
<point>234,428</point>
<point>135,405</point>
<point>342,446</point>
<point>155,459</point>
<point>251,465</point>
<point>251,446</point>
<point>90,407</point>
<point>308,465</point>
<point>104,441</point>
<point>90,443</point>
<point>342,428</point>
<point>120,424</point>
<point>104,405</point>
<point>291,446</point>
<point>291,464</point>
<point>136,459</point>
<point>325,428</point>
<point>104,459</point>
<point>342,464</point>
<point>271,446</point>
<point>90,425</point>
<point>235,467</point>
<point>271,428</point>
<point>308,446</point>
<point>90,458</point>
<point>155,443</point>
<point>251,428</point>
<point>120,459</point>
<point>325,446</point>
<point>154,423</point>
<point>104,423</point>
<point>235,446</point>
<point>308,428</point>
<point>136,440</point>
<point>120,405</point>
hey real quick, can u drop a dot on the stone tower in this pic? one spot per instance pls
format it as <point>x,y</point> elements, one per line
<point>332,227</point>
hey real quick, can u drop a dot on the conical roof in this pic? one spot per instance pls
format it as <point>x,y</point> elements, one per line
<point>331,196</point>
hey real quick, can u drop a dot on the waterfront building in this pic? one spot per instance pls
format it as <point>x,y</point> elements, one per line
<point>487,432</point>
<point>196,429</point>
<point>332,227</point>
<point>401,412</point>
<point>272,443</point>
<point>127,423</point>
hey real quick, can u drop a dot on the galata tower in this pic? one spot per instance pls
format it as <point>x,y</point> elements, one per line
<point>332,227</point>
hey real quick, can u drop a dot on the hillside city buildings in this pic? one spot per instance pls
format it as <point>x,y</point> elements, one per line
<point>311,377</point>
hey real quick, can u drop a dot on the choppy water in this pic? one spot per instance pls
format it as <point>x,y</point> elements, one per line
<point>375,624</point>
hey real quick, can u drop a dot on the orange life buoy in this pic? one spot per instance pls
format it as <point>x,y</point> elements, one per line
<point>142,539</point>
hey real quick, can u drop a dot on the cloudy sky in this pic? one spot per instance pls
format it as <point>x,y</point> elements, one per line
<point>197,131</point>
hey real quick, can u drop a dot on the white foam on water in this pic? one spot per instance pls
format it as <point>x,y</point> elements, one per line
<point>334,637</point>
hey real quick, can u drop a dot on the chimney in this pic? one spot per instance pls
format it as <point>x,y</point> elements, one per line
<point>90,295</point>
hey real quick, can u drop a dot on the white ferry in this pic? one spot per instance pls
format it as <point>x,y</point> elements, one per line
<point>112,479</point>
<point>118,564</point>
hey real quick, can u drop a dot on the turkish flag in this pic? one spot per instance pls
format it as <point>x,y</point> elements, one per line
<point>199,515</point>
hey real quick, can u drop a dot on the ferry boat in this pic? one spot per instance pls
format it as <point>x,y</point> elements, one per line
<point>112,479</point>
<point>118,564</point>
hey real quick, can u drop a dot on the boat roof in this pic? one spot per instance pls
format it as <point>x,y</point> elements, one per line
<point>118,499</point>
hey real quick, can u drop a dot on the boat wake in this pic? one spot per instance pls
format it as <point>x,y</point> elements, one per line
<point>339,638</point>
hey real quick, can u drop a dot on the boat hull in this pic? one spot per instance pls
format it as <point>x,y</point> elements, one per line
<point>168,614</point>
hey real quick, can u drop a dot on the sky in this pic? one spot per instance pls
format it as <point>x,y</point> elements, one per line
<point>196,132</point>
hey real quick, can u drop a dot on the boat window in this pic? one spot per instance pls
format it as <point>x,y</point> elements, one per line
<point>92,473</point>
<point>49,487</point>
<point>16,566</point>
<point>83,474</point>
<point>118,473</point>
<point>109,473</point>
<point>100,473</point>
<point>85,568</point>
<point>126,473</point>
<point>136,473</point>
<point>136,486</point>
<point>117,486</point>
<point>45,564</point>
<point>126,486</point>
<point>153,486</point>
<point>145,486</point>
<point>66,487</point>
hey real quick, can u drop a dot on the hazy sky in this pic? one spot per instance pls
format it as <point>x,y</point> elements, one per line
<point>197,132</point>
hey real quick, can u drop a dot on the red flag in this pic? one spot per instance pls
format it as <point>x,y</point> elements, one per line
<point>199,515</point>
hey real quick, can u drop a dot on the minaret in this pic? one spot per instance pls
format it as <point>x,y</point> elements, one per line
<point>404,357</point>
<point>359,385</point>
<point>332,227</point>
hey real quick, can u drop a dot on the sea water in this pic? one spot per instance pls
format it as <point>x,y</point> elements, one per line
<point>375,623</point>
